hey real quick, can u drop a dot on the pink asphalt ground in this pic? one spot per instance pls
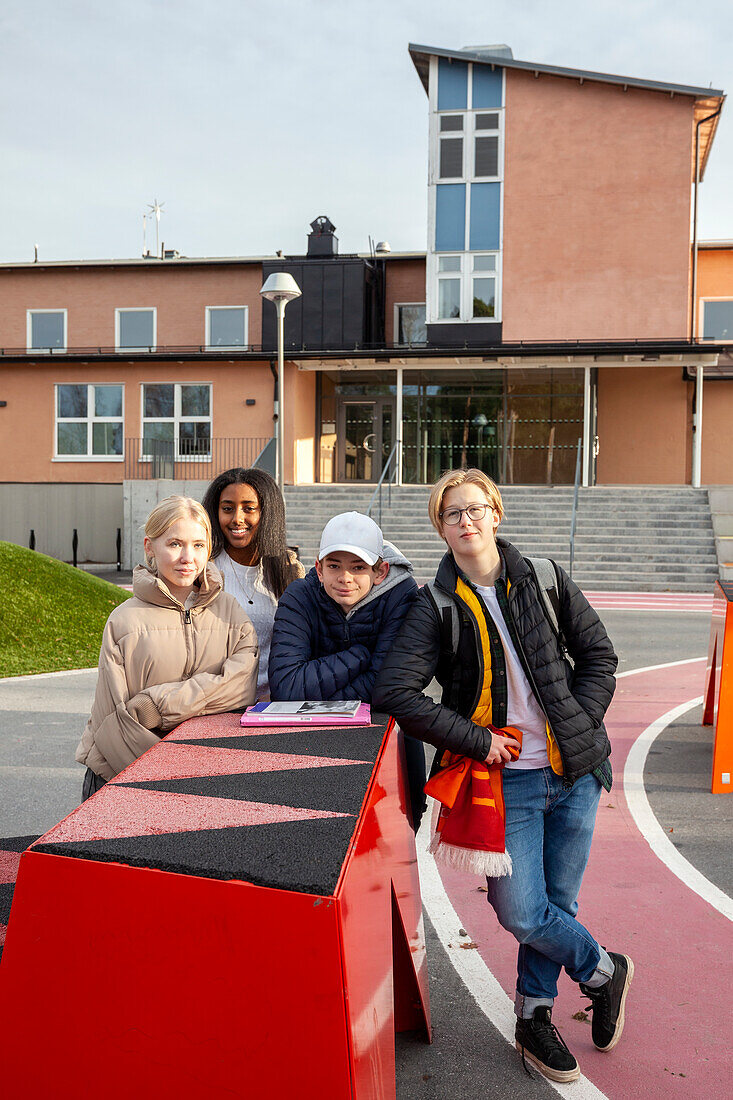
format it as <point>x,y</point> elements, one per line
<point>677,1040</point>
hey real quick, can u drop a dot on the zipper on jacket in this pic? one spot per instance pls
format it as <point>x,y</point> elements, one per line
<point>190,644</point>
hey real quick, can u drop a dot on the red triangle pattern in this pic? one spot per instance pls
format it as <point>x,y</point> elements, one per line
<point>117,812</point>
<point>9,862</point>
<point>170,760</point>
<point>201,732</point>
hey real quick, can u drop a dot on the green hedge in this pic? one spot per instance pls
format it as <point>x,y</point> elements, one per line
<point>51,615</point>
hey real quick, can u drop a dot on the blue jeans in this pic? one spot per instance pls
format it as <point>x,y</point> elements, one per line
<point>548,835</point>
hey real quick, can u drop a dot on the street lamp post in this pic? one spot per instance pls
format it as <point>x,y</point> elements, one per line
<point>280,288</point>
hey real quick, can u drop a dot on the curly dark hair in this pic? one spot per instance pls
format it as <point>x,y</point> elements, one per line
<point>270,546</point>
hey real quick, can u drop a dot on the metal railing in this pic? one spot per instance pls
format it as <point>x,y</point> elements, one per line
<point>575,508</point>
<point>189,459</point>
<point>377,494</point>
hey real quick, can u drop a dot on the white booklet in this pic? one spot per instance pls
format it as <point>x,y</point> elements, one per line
<point>341,708</point>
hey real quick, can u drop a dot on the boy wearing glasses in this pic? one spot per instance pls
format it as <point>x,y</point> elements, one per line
<point>509,669</point>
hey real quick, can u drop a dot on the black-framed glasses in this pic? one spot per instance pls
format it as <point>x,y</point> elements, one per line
<point>474,512</point>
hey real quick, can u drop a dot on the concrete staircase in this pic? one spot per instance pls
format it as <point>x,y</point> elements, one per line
<point>636,538</point>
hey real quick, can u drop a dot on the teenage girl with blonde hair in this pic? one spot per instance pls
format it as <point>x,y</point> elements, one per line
<point>180,648</point>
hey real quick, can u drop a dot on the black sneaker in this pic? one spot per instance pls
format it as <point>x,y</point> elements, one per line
<point>540,1042</point>
<point>608,1002</point>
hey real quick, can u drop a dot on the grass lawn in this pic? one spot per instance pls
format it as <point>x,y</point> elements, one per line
<point>51,615</point>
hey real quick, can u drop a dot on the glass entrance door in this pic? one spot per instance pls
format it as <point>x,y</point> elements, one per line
<point>365,437</point>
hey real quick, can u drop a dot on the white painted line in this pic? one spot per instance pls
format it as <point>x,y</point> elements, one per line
<point>471,968</point>
<point>647,823</point>
<point>44,675</point>
<point>655,668</point>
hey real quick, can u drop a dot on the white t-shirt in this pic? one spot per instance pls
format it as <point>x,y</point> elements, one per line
<point>247,584</point>
<point>523,710</point>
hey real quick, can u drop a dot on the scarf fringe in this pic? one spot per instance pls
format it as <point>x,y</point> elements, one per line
<point>493,864</point>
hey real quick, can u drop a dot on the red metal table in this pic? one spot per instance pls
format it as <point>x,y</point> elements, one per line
<point>237,914</point>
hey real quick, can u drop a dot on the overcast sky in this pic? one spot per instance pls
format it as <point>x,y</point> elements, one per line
<point>249,118</point>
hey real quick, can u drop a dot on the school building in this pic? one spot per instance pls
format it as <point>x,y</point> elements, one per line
<point>561,296</point>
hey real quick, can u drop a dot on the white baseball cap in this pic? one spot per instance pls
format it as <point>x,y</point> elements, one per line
<point>355,533</point>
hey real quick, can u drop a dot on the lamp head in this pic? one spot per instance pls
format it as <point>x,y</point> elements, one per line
<point>280,287</point>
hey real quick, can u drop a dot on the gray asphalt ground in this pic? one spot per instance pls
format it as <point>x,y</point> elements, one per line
<point>41,720</point>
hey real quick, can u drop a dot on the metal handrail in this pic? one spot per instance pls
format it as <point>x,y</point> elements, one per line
<point>378,489</point>
<point>575,509</point>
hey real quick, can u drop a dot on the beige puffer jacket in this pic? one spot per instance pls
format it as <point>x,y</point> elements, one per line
<point>160,664</point>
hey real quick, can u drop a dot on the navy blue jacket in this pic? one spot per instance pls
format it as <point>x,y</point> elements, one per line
<point>320,652</point>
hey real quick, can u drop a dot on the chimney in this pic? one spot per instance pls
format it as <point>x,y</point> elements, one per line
<point>322,241</point>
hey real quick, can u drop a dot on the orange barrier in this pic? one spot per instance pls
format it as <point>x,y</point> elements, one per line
<point>718,697</point>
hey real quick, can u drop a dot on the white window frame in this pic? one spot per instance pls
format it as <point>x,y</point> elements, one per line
<point>396,321</point>
<point>467,274</point>
<point>702,302</point>
<point>469,134</point>
<point>177,419</point>
<point>90,420</point>
<point>451,135</point>
<point>499,131</point>
<point>30,313</point>
<point>227,347</point>
<point>136,309</point>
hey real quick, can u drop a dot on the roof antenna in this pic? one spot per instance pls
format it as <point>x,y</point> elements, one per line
<point>155,208</point>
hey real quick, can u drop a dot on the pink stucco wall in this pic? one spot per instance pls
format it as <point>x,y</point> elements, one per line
<point>180,293</point>
<point>596,211</point>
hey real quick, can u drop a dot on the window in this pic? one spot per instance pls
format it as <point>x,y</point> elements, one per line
<point>468,287</point>
<point>410,323</point>
<point>484,286</point>
<point>717,321</point>
<point>89,421</point>
<point>46,330</point>
<point>451,148</point>
<point>176,419</point>
<point>449,288</point>
<point>486,145</point>
<point>226,326</point>
<point>135,329</point>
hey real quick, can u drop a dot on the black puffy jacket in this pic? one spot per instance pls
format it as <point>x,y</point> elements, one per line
<point>575,704</point>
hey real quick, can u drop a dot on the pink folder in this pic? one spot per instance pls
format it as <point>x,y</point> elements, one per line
<point>252,718</point>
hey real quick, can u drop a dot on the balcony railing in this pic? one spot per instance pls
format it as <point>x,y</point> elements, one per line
<point>189,459</point>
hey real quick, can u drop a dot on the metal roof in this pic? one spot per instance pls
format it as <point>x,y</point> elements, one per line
<point>706,100</point>
<point>420,55</point>
<point>189,261</point>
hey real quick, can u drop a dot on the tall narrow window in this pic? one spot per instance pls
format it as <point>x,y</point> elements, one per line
<point>451,147</point>
<point>135,329</point>
<point>486,144</point>
<point>176,419</point>
<point>484,286</point>
<point>88,421</point>
<point>449,287</point>
<point>46,330</point>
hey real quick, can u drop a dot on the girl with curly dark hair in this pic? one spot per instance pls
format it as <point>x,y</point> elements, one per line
<point>247,514</point>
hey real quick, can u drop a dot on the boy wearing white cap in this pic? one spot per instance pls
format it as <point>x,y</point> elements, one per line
<point>334,627</point>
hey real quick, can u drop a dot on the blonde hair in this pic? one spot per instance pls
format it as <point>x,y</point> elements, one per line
<point>451,480</point>
<point>168,512</point>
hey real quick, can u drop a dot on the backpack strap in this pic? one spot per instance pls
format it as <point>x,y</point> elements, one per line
<point>545,574</point>
<point>449,631</point>
<point>448,613</point>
